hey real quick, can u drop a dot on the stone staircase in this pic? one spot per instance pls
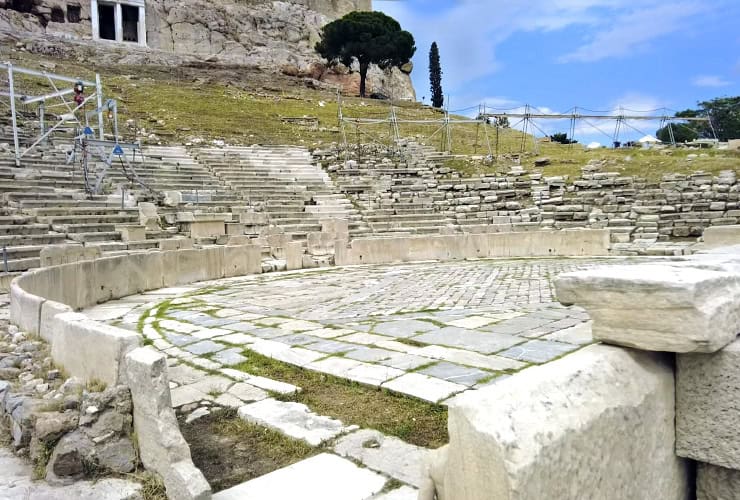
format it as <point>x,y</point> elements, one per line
<point>395,197</point>
<point>285,184</point>
<point>44,202</point>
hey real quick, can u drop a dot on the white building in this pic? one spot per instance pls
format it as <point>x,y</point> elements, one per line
<point>119,20</point>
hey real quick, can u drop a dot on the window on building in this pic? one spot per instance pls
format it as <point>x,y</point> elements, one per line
<point>107,21</point>
<point>57,15</point>
<point>74,13</point>
<point>130,23</point>
<point>22,5</point>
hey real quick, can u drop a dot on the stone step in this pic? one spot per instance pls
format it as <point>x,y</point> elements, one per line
<point>113,218</point>
<point>23,252</point>
<point>23,229</point>
<point>109,246</point>
<point>9,220</point>
<point>384,226</point>
<point>143,245</point>
<point>47,214</point>
<point>32,239</point>
<point>95,236</point>
<point>373,217</point>
<point>67,203</point>
<point>83,228</point>
<point>15,265</point>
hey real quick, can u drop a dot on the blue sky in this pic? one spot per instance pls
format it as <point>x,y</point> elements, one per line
<point>594,54</point>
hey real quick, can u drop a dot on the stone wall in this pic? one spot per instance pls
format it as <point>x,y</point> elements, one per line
<point>42,303</point>
<point>472,246</point>
<point>679,206</point>
<point>597,424</point>
<point>633,209</point>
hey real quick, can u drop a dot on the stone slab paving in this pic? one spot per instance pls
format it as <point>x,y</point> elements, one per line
<point>461,323</point>
<point>294,420</point>
<point>399,460</point>
<point>323,477</point>
<point>429,331</point>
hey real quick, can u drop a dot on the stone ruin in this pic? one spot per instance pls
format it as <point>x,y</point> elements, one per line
<point>649,419</point>
<point>227,211</point>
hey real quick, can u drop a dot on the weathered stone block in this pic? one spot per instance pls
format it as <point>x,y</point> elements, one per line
<point>148,213</point>
<point>721,235</point>
<point>238,240</point>
<point>337,227</point>
<point>253,218</point>
<point>161,445</point>
<point>55,255</point>
<point>47,322</point>
<point>320,243</point>
<point>294,255</point>
<point>91,350</point>
<point>242,260</point>
<point>717,483</point>
<point>206,228</point>
<point>529,436</point>
<point>657,307</point>
<point>25,308</point>
<point>707,412</point>
<point>131,232</point>
<point>234,228</point>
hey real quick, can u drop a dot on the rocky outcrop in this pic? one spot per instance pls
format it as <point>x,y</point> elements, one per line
<point>69,430</point>
<point>269,35</point>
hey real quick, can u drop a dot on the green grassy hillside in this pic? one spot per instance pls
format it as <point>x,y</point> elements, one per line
<point>245,106</point>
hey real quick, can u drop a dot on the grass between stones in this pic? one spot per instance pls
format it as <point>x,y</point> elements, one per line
<point>414,421</point>
<point>5,438</point>
<point>231,451</point>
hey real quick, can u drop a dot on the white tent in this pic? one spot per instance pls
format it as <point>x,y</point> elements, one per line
<point>649,139</point>
<point>593,145</point>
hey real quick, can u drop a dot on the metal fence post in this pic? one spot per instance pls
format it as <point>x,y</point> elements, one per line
<point>16,143</point>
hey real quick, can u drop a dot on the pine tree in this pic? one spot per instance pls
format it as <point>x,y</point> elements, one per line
<point>369,37</point>
<point>435,76</point>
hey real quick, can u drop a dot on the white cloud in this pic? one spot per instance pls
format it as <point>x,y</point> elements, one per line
<point>632,30</point>
<point>469,32</point>
<point>710,81</point>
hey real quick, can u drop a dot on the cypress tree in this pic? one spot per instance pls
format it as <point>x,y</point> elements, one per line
<point>435,76</point>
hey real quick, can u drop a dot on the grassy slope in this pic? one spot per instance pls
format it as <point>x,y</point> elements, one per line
<point>243,106</point>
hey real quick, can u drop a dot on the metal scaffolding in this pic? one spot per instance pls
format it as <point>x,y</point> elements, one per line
<point>525,121</point>
<point>60,88</point>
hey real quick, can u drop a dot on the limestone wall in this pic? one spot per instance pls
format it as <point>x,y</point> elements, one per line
<point>596,424</point>
<point>42,300</point>
<point>471,246</point>
<point>633,209</point>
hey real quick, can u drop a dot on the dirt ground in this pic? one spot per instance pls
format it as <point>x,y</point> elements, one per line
<point>230,451</point>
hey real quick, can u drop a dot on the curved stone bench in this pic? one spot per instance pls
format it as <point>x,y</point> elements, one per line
<point>43,302</point>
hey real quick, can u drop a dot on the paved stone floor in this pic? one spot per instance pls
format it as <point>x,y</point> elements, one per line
<point>430,331</point>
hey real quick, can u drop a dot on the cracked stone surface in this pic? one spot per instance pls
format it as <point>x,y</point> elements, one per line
<point>386,454</point>
<point>294,419</point>
<point>325,477</point>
